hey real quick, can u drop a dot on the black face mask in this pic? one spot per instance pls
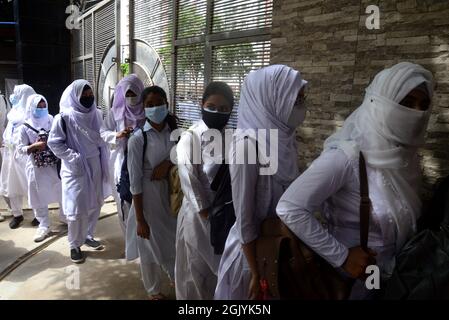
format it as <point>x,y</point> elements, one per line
<point>87,102</point>
<point>215,120</point>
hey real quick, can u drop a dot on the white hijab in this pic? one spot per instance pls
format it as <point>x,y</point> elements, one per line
<point>37,123</point>
<point>17,113</point>
<point>266,102</point>
<point>389,134</point>
<point>85,121</point>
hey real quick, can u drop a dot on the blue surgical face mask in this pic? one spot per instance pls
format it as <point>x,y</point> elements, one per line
<point>157,114</point>
<point>13,99</point>
<point>40,112</point>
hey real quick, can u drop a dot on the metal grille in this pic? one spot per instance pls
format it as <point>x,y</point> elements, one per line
<point>153,23</point>
<point>104,31</point>
<point>77,46</point>
<point>189,83</point>
<point>88,35</point>
<point>232,15</point>
<point>78,70</point>
<point>232,63</point>
<point>89,71</point>
<point>191,18</point>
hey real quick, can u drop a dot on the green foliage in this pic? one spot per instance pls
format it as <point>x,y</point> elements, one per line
<point>124,67</point>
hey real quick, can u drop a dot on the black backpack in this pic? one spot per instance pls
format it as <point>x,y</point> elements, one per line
<point>221,213</point>
<point>422,266</point>
<point>124,185</point>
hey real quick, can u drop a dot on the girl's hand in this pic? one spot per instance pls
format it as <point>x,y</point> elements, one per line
<point>37,146</point>
<point>161,171</point>
<point>357,261</point>
<point>124,134</point>
<point>254,287</point>
<point>143,230</point>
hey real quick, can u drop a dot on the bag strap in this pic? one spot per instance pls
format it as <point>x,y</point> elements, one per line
<point>144,144</point>
<point>365,204</point>
<point>30,127</point>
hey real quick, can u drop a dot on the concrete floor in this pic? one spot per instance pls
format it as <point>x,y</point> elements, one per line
<point>49,273</point>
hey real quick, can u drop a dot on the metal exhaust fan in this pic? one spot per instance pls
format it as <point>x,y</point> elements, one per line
<point>146,63</point>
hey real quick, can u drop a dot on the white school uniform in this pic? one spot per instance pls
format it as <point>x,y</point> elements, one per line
<point>44,185</point>
<point>84,168</point>
<point>13,181</point>
<point>157,253</point>
<point>196,264</point>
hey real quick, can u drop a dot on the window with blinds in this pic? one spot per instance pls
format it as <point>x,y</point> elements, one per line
<point>191,18</point>
<point>232,63</point>
<point>220,42</point>
<point>232,15</point>
<point>153,23</point>
<point>189,83</point>
<point>198,41</point>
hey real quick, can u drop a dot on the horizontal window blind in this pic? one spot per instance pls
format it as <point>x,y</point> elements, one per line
<point>191,18</point>
<point>77,43</point>
<point>232,63</point>
<point>153,23</point>
<point>104,32</point>
<point>233,15</point>
<point>189,83</point>
<point>88,35</point>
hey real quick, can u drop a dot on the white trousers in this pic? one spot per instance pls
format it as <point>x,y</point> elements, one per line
<point>42,215</point>
<point>151,277</point>
<point>83,228</point>
<point>15,205</point>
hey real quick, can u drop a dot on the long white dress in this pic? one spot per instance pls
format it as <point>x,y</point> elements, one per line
<point>44,185</point>
<point>157,253</point>
<point>331,185</point>
<point>255,198</point>
<point>117,154</point>
<point>196,264</point>
<point>82,199</point>
<point>12,176</point>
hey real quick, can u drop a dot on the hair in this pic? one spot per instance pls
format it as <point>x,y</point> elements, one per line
<point>221,88</point>
<point>171,119</point>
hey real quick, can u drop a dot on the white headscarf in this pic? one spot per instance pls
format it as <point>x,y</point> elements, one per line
<point>37,123</point>
<point>17,113</point>
<point>85,121</point>
<point>266,102</point>
<point>389,134</point>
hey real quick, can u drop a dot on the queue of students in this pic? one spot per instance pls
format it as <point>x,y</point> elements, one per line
<point>129,155</point>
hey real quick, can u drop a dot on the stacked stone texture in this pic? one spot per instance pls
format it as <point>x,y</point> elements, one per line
<point>327,40</point>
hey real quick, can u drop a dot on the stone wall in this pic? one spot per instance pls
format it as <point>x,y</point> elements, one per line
<point>327,40</point>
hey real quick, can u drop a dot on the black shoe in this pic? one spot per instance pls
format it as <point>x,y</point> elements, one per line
<point>15,222</point>
<point>94,244</point>
<point>35,222</point>
<point>77,256</point>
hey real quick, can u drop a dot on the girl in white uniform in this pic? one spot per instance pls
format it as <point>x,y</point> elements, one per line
<point>44,185</point>
<point>196,263</point>
<point>127,114</point>
<point>150,215</point>
<point>13,177</point>
<point>388,128</point>
<point>271,98</point>
<point>75,138</point>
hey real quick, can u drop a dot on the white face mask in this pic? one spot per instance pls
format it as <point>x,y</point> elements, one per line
<point>132,101</point>
<point>297,116</point>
